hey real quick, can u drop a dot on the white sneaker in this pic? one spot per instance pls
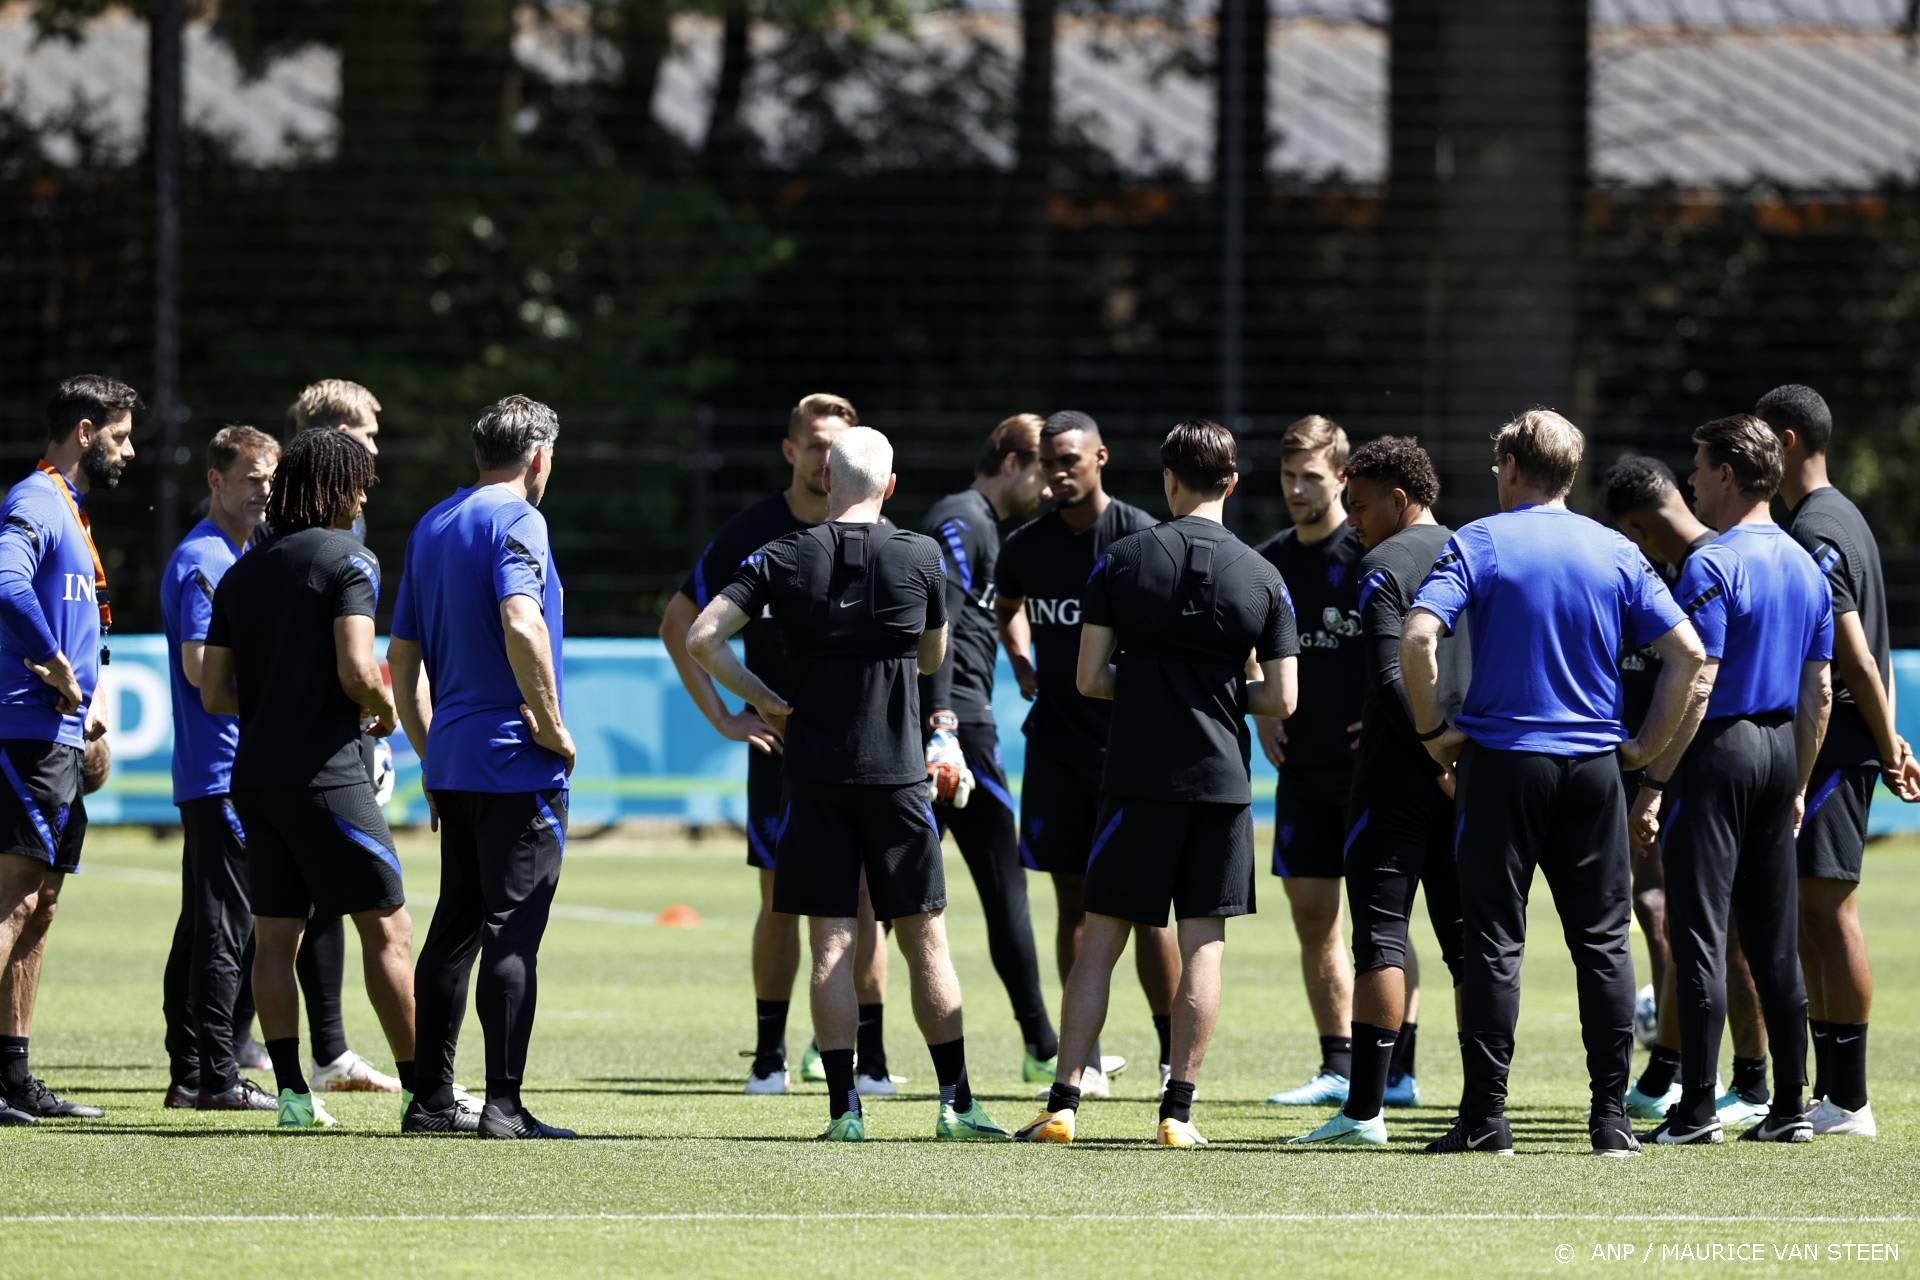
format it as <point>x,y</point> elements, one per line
<point>1094,1083</point>
<point>468,1104</point>
<point>1831,1120</point>
<point>771,1083</point>
<point>1166,1074</point>
<point>351,1073</point>
<point>877,1086</point>
<point>1112,1064</point>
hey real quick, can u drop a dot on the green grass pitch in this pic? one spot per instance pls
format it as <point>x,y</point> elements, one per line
<point>637,1042</point>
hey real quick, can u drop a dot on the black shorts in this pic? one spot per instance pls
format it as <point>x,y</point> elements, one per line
<point>764,804</point>
<point>1309,827</point>
<point>1058,808</point>
<point>1152,854</point>
<point>42,816</point>
<point>318,851</point>
<point>830,832</point>
<point>1396,844</point>
<point>989,815</point>
<point>1833,832</point>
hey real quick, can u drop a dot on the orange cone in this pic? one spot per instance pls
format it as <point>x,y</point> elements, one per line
<point>678,916</point>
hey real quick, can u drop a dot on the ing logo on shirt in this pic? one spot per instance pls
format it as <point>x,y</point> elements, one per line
<point>1054,613</point>
<point>79,589</point>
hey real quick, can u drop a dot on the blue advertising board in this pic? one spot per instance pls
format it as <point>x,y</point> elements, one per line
<point>645,751</point>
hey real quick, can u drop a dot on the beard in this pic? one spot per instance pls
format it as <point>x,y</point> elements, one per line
<point>1312,515</point>
<point>100,472</point>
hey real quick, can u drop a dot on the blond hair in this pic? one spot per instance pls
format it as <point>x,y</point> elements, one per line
<point>331,403</point>
<point>1313,433</point>
<point>820,404</point>
<point>1545,446</point>
<point>1018,435</point>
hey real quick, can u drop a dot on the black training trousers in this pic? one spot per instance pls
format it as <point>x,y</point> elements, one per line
<point>1729,852</point>
<point>500,860</point>
<point>1567,816</point>
<point>210,964</point>
<point>990,844</point>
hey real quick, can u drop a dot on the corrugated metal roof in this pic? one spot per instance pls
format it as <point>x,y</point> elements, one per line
<point>1812,94</point>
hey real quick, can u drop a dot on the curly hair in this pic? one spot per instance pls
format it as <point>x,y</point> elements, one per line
<point>1398,462</point>
<point>320,477</point>
<point>1637,483</point>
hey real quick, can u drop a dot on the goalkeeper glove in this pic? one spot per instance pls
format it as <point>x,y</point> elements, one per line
<point>949,781</point>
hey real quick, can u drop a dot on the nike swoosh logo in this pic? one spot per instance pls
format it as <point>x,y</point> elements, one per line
<point>1384,1044</point>
<point>1846,1039</point>
<point>1473,1144</point>
<point>848,604</point>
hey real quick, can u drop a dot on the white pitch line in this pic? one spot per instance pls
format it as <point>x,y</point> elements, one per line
<point>162,1218</point>
<point>560,911</point>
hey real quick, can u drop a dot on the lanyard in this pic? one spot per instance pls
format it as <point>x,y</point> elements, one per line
<point>99,569</point>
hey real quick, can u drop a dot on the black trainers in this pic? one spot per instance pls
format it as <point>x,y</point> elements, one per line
<point>181,1097</point>
<point>1772,1128</point>
<point>451,1119</point>
<point>1492,1136</point>
<point>497,1122</point>
<point>1673,1132</point>
<point>1613,1136</point>
<point>250,1055</point>
<point>244,1096</point>
<point>9,1116</point>
<point>36,1099</point>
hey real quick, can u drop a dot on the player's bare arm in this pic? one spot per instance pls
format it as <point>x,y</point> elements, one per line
<point>933,649</point>
<point>219,686</point>
<point>1016,637</point>
<point>1277,692</point>
<point>1854,665</point>
<point>1810,717</point>
<point>1094,674</point>
<point>530,654</point>
<point>359,674</point>
<point>707,639</point>
<point>1643,815</point>
<point>1420,681</point>
<point>1678,695</point>
<point>744,725</point>
<point>411,693</point>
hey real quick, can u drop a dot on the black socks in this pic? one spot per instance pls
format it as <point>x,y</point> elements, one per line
<point>1037,1030</point>
<point>1336,1056</point>
<point>1372,1054</point>
<point>504,1095</point>
<point>950,1068</point>
<point>1821,1033</point>
<point>1846,1074</point>
<point>1063,1097</point>
<point>1177,1102</point>
<point>871,1042</point>
<point>1750,1078</point>
<point>405,1071</point>
<point>13,1062</point>
<point>1402,1064</point>
<point>770,1036</point>
<point>1662,1065</point>
<point>286,1065</point>
<point>841,1097</point>
<point>1163,1027</point>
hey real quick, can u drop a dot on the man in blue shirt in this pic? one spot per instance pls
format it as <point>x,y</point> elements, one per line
<point>213,939</point>
<point>1765,618</point>
<point>475,658</point>
<point>1552,598</point>
<point>54,616</point>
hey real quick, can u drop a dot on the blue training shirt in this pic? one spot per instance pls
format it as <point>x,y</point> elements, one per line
<point>202,742</point>
<point>1551,596</point>
<point>1763,610</point>
<point>48,604</point>
<point>464,557</point>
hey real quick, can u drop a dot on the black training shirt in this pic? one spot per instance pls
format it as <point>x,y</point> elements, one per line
<point>1392,757</point>
<point>1836,535</point>
<point>1189,602</point>
<point>275,609</point>
<point>967,529</point>
<point>765,521</point>
<point>1046,564</point>
<point>850,602</point>
<point>1640,668</point>
<point>1323,581</point>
